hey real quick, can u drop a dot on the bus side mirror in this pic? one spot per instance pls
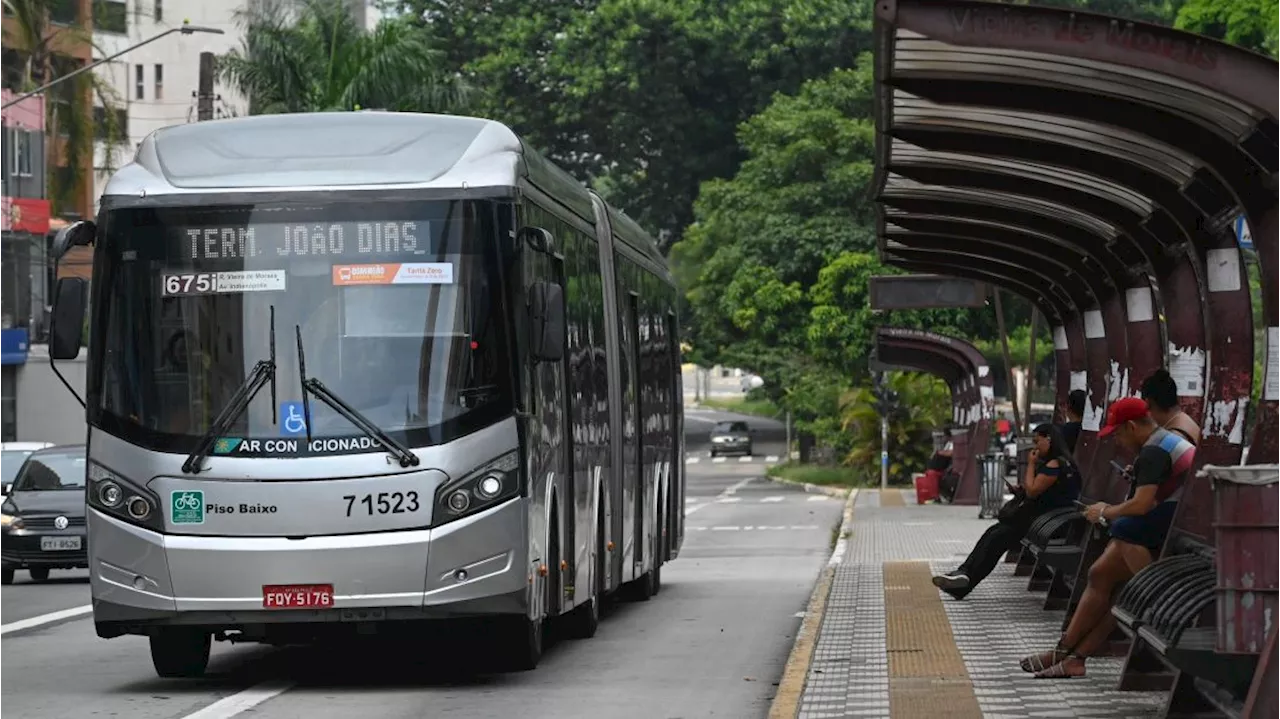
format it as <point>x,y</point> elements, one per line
<point>6,490</point>
<point>67,324</point>
<point>546,321</point>
<point>538,239</point>
<point>76,234</point>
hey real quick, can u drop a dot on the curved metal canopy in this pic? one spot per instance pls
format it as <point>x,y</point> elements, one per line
<point>1068,156</point>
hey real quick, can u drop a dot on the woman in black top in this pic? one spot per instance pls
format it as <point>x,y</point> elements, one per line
<point>1051,482</point>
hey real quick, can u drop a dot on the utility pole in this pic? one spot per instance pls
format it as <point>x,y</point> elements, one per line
<point>204,101</point>
<point>1008,365</point>
<point>885,402</point>
<point>884,452</point>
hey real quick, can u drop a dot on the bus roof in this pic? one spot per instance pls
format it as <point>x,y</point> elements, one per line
<point>368,150</point>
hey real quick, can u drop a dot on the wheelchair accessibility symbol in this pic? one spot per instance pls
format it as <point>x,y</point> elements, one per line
<point>292,421</point>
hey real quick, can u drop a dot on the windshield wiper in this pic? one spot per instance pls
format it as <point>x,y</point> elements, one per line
<point>262,373</point>
<point>351,414</point>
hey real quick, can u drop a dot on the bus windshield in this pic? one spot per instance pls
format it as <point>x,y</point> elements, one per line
<point>397,305</point>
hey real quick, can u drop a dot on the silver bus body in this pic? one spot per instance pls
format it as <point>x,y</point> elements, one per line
<point>588,449</point>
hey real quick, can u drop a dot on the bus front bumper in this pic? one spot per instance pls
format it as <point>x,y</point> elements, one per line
<point>475,566</point>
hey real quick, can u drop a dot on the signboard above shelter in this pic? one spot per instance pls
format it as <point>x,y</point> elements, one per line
<point>923,292</point>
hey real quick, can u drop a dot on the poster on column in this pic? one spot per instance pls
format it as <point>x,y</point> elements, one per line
<point>1186,366</point>
<point>1271,389</point>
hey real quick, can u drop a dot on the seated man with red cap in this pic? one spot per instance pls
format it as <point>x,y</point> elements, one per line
<point>1138,527</point>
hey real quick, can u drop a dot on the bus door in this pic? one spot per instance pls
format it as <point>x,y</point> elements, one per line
<point>673,515</point>
<point>568,503</point>
<point>548,433</point>
<point>635,434</point>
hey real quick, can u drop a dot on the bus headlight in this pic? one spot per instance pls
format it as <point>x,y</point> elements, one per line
<point>490,485</point>
<point>127,501</point>
<point>110,494</point>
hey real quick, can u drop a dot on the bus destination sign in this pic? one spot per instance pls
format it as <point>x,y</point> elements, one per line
<point>314,239</point>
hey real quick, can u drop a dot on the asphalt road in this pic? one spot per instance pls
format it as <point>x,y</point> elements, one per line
<point>711,644</point>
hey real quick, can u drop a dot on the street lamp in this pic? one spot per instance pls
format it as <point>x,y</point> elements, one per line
<point>185,29</point>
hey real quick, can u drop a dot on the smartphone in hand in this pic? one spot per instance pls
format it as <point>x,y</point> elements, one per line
<point>1123,470</point>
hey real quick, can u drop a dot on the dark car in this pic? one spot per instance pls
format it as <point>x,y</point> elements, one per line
<point>43,515</point>
<point>730,438</point>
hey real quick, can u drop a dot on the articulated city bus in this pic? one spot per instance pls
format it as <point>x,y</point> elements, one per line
<point>347,370</point>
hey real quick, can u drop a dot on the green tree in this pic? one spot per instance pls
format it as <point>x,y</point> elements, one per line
<point>924,404</point>
<point>322,60</point>
<point>643,97</point>
<point>37,40</point>
<point>1251,24</point>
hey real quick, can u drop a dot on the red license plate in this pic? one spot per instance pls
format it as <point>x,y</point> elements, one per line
<point>297,596</point>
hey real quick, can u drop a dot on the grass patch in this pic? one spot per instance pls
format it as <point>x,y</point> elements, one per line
<point>820,475</point>
<point>742,405</point>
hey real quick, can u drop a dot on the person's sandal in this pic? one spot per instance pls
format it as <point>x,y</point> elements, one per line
<point>1060,671</point>
<point>1045,660</point>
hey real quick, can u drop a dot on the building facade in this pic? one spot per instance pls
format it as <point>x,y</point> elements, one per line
<point>25,273</point>
<point>156,85</point>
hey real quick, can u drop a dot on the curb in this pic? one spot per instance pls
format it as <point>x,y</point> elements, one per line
<point>786,702</point>
<point>815,488</point>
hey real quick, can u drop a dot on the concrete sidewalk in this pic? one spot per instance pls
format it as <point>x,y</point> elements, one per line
<point>889,644</point>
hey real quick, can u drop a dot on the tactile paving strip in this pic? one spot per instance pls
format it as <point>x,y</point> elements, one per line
<point>927,676</point>
<point>891,498</point>
<point>994,627</point>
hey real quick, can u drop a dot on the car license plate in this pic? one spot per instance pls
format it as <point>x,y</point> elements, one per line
<point>59,544</point>
<point>297,596</point>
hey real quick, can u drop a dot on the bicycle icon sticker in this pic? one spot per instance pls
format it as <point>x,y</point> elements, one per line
<point>186,507</point>
<point>292,420</point>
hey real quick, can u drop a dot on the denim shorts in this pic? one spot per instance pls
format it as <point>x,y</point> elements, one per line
<point>1147,530</point>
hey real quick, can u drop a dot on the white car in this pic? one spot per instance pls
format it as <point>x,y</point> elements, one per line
<point>12,455</point>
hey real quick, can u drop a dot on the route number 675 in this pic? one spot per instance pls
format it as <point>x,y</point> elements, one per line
<point>190,283</point>
<point>382,503</point>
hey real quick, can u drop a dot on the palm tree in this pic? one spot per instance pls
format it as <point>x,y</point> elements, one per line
<point>67,113</point>
<point>321,60</point>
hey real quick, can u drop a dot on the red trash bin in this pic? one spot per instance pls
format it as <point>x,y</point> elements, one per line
<point>927,486</point>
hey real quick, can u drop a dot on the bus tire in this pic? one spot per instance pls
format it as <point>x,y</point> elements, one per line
<point>6,575</point>
<point>39,574</point>
<point>180,652</point>
<point>523,648</point>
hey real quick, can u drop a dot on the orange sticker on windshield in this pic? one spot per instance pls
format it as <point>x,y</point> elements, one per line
<point>394,273</point>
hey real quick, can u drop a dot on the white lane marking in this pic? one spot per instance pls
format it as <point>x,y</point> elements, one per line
<point>728,492</point>
<point>717,460</point>
<point>798,615</point>
<point>728,500</point>
<point>45,619</point>
<point>804,526</point>
<point>819,498</point>
<point>778,498</point>
<point>745,459</point>
<point>773,458</point>
<point>917,524</point>
<point>243,701</point>
<point>690,500</point>
<point>725,529</point>
<point>692,460</point>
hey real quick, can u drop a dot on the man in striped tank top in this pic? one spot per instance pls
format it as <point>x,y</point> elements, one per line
<point>1137,525</point>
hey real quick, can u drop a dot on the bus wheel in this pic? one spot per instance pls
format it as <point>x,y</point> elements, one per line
<point>6,575</point>
<point>180,652</point>
<point>523,648</point>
